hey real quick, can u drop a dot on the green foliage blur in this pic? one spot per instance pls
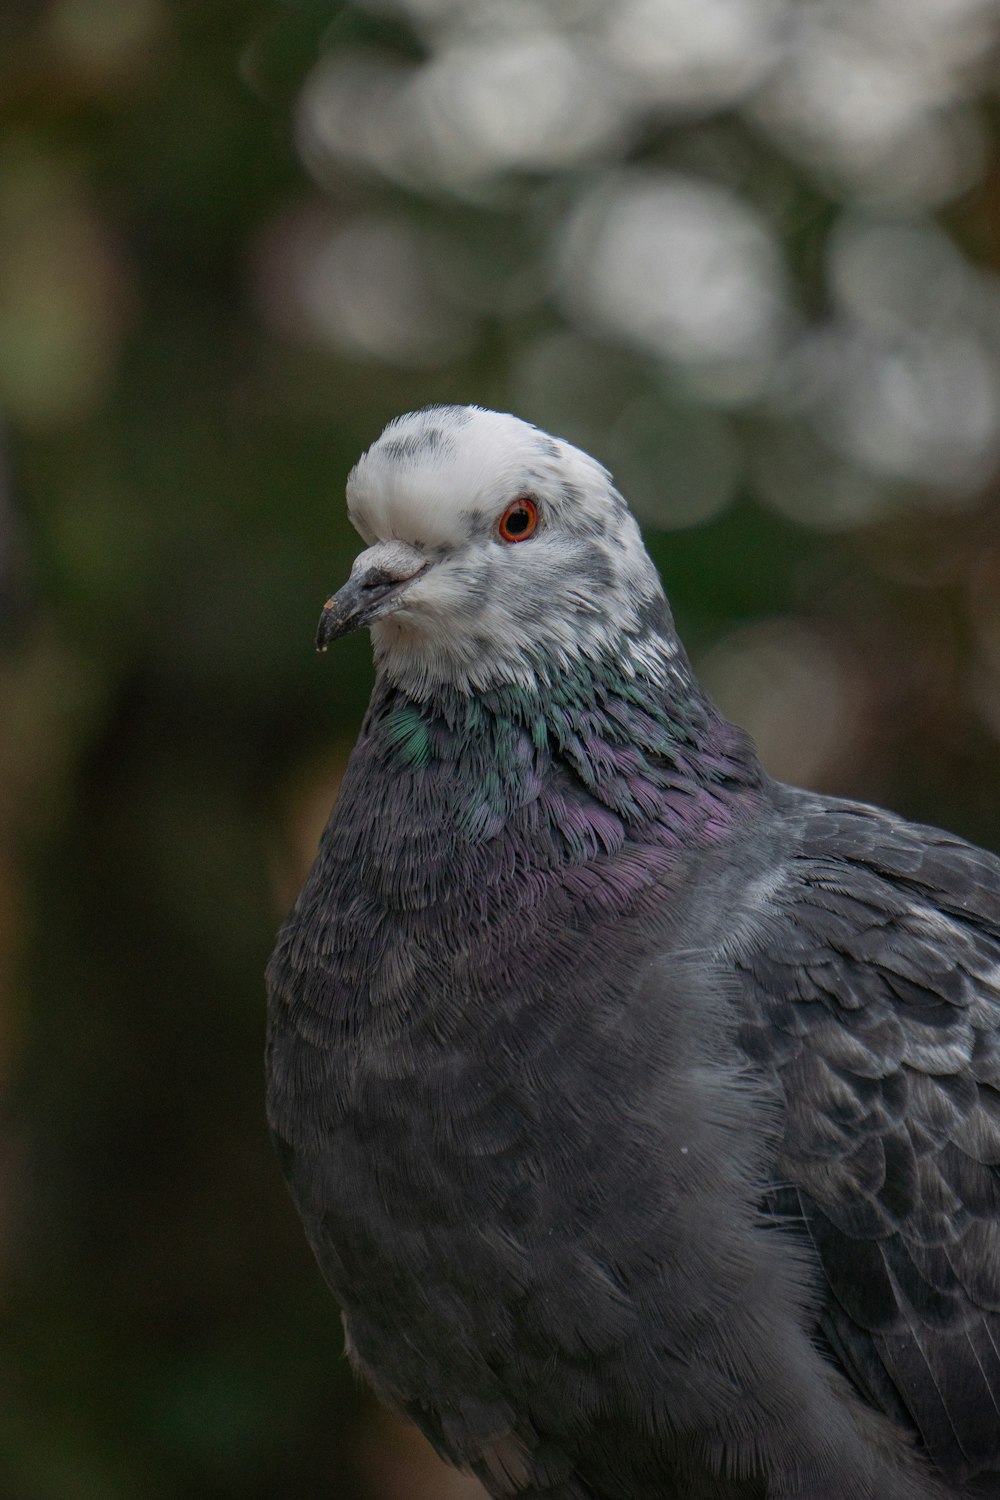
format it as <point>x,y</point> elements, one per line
<point>221,273</point>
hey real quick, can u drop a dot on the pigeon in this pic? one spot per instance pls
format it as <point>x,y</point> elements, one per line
<point>643,1113</point>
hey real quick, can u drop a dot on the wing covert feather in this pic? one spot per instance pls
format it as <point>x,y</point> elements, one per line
<point>872,988</point>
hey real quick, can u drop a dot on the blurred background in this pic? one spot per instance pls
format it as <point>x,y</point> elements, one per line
<point>745,251</point>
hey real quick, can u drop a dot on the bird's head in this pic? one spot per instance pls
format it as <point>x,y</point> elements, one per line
<point>496,555</point>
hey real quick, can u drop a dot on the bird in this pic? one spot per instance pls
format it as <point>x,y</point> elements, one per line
<point>642,1112</point>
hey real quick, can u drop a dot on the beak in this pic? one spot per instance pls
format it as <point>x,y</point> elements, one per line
<point>378,577</point>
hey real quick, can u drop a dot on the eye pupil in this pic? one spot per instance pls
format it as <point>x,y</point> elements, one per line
<point>518,521</point>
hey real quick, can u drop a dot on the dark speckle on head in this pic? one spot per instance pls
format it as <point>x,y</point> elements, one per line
<point>420,444</point>
<point>596,569</point>
<point>585,521</point>
<point>533,480</point>
<point>472,523</point>
<point>548,445</point>
<point>653,616</point>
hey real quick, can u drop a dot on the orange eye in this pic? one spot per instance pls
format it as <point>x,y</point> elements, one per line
<point>519,520</point>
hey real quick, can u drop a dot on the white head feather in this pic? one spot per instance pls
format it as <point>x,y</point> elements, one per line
<point>486,611</point>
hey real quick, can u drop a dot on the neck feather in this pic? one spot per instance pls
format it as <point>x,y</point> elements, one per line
<point>648,748</point>
<point>471,823</point>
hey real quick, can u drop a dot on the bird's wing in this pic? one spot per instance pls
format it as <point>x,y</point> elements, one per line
<point>871,987</point>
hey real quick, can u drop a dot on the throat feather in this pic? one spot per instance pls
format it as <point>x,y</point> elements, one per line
<point>605,758</point>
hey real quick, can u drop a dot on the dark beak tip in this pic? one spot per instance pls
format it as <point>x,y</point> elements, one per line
<point>356,603</point>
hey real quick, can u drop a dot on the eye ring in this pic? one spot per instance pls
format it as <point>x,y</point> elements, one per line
<point>519,520</point>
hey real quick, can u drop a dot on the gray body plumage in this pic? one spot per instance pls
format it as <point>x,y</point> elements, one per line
<point>643,1114</point>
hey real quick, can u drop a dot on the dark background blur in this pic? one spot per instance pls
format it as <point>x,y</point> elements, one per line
<point>746,251</point>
